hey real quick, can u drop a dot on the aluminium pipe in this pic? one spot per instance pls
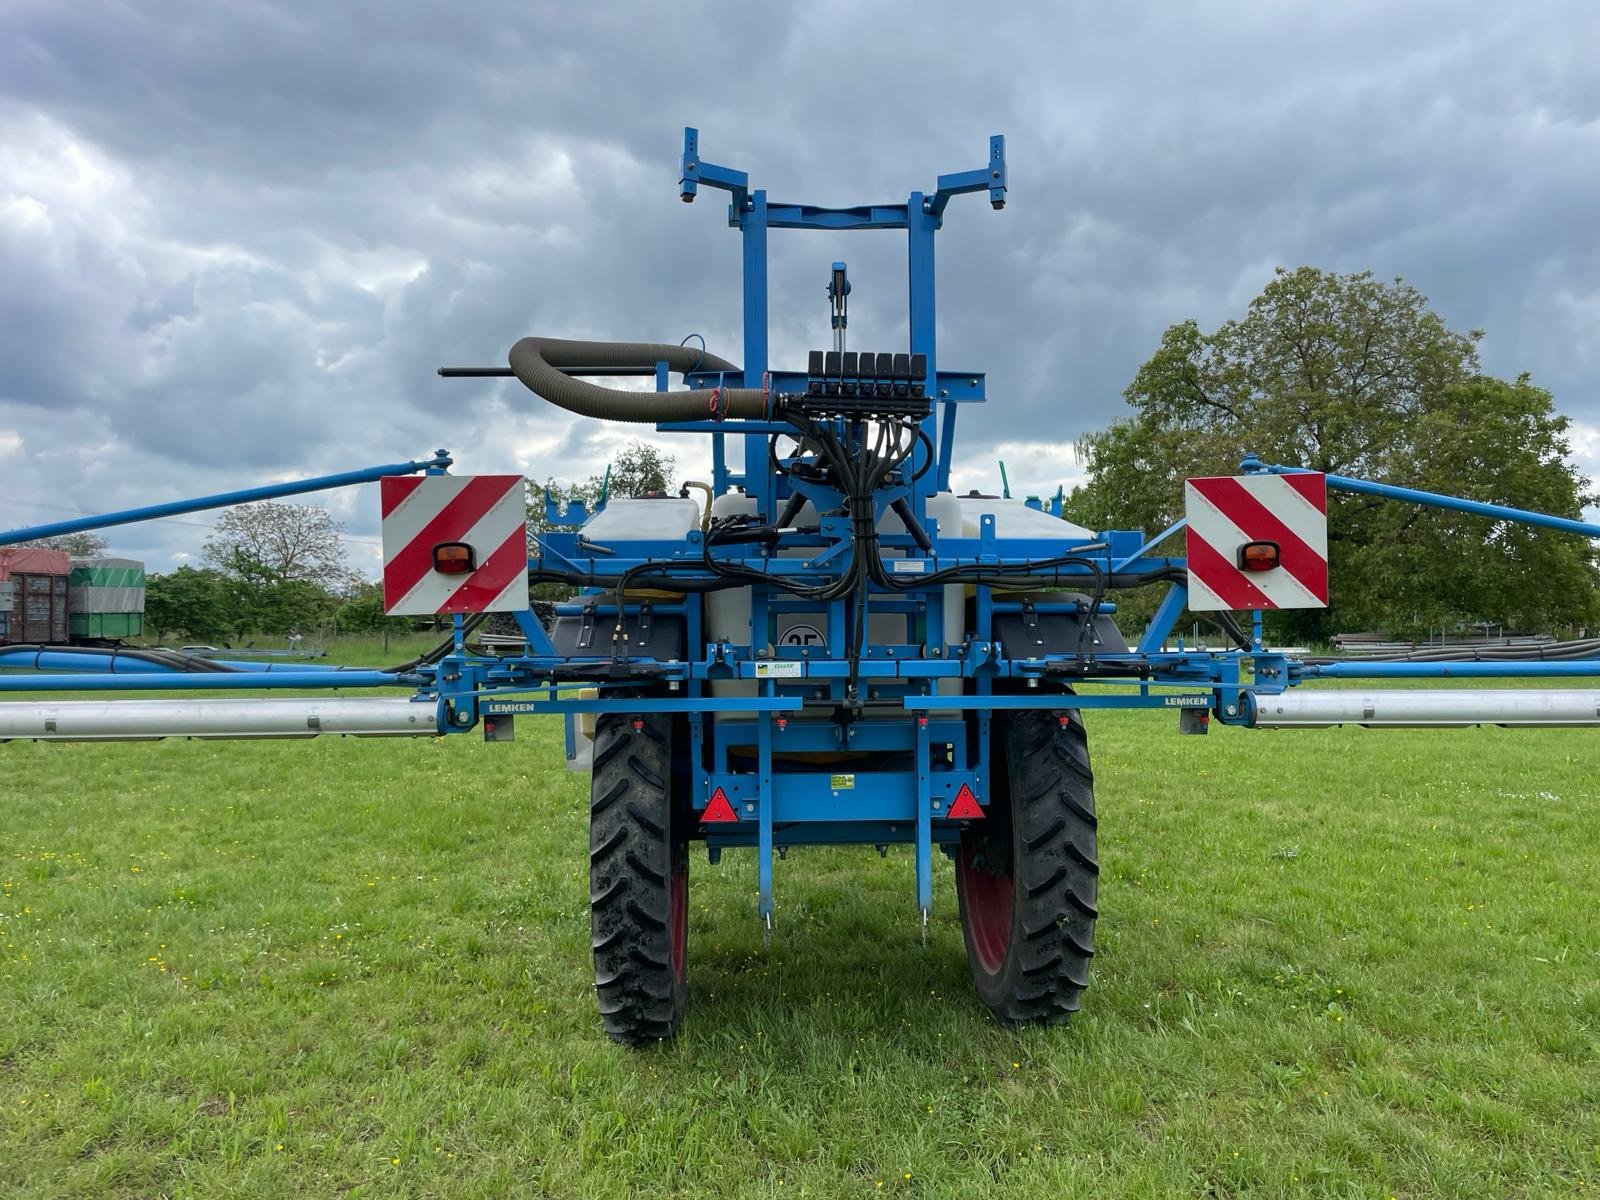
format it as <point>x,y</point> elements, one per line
<point>150,720</point>
<point>1424,707</point>
<point>542,365</point>
<point>181,681</point>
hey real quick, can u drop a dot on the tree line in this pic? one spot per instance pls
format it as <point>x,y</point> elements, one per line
<point>1356,376</point>
<point>274,569</point>
<point>268,568</point>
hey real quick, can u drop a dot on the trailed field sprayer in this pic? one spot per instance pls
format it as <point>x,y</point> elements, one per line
<point>834,649</point>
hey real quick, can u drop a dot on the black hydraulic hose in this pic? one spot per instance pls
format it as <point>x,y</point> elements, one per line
<point>791,510</point>
<point>1230,628</point>
<point>542,364</point>
<point>1549,652</point>
<point>664,582</point>
<point>919,535</point>
<point>187,663</point>
<point>434,655</point>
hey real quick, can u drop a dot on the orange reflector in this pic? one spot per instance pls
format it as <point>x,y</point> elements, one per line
<point>1258,556</point>
<point>454,558</point>
<point>719,811</point>
<point>966,806</point>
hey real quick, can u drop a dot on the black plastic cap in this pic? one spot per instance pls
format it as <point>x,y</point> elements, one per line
<point>885,366</point>
<point>919,366</point>
<point>814,363</point>
<point>902,367</point>
<point>831,364</point>
<point>850,357</point>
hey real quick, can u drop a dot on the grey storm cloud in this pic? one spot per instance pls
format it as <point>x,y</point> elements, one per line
<point>236,239</point>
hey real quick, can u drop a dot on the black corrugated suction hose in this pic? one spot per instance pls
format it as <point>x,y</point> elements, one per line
<point>541,365</point>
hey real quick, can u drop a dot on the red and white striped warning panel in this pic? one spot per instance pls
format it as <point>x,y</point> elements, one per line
<point>454,544</point>
<point>1257,541</point>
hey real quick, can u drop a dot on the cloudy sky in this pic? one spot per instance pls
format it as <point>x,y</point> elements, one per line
<point>236,238</point>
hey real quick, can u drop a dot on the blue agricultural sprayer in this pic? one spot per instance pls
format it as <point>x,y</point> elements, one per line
<point>834,649</point>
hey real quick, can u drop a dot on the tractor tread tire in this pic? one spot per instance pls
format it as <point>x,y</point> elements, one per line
<point>1051,789</point>
<point>641,997</point>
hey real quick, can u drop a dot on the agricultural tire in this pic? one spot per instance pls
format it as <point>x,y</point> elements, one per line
<point>1026,873</point>
<point>638,878</point>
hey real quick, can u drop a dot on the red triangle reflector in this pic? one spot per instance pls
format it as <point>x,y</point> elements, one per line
<point>966,806</point>
<point>719,811</point>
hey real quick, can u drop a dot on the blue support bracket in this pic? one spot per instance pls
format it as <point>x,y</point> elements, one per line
<point>1166,615</point>
<point>992,177</point>
<point>924,843</point>
<point>694,172</point>
<point>1122,564</point>
<point>764,807</point>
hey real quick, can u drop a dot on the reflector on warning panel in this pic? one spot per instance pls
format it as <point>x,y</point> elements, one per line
<point>454,544</point>
<point>1257,541</point>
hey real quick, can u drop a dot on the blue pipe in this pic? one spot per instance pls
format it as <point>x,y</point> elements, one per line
<point>1254,466</point>
<point>218,681</point>
<point>175,508</point>
<point>58,660</point>
<point>116,663</point>
<point>1456,670</point>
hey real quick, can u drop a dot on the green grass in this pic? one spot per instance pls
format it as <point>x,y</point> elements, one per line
<point>1342,963</point>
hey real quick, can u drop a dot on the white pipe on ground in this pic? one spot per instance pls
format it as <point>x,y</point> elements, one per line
<point>150,720</point>
<point>1413,707</point>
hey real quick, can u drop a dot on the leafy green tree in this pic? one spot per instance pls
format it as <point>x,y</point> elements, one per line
<point>261,600</point>
<point>1354,376</point>
<point>278,542</point>
<point>192,602</point>
<point>362,612</point>
<point>638,469</point>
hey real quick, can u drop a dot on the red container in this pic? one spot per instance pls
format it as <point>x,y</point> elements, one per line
<point>39,594</point>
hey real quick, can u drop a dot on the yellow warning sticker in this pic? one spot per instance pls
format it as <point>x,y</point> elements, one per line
<point>841,783</point>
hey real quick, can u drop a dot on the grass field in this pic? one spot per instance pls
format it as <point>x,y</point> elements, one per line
<point>1332,963</point>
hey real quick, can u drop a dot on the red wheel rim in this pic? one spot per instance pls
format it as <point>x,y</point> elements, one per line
<point>990,903</point>
<point>679,925</point>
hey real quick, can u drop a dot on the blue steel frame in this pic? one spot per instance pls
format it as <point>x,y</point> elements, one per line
<point>933,743</point>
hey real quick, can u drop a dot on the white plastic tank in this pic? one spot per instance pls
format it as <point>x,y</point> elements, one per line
<point>728,611</point>
<point>668,518</point>
<point>1013,518</point>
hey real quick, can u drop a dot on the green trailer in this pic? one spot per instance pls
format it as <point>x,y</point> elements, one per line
<point>105,599</point>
